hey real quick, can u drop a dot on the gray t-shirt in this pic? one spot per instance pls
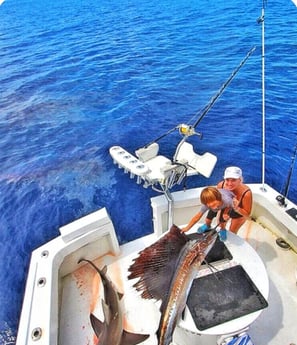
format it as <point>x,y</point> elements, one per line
<point>227,199</point>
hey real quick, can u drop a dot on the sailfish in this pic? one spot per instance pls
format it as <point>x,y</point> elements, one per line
<point>166,270</point>
<point>111,332</point>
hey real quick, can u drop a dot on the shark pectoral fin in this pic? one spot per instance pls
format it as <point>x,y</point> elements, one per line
<point>132,338</point>
<point>98,326</point>
<point>106,312</point>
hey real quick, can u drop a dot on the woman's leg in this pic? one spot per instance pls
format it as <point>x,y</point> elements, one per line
<point>236,223</point>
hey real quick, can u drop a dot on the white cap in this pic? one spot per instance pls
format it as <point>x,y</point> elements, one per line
<point>233,172</point>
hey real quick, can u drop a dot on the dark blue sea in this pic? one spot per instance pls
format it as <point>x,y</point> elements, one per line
<point>77,77</point>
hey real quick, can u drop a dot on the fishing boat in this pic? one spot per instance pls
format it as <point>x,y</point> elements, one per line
<point>245,293</point>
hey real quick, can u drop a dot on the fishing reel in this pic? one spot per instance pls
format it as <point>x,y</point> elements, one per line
<point>188,130</point>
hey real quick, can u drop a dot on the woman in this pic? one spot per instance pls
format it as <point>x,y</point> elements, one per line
<point>242,202</point>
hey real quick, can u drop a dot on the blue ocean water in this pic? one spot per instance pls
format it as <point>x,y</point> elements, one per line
<point>80,76</point>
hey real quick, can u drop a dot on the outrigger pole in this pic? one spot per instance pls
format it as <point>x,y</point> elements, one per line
<point>260,20</point>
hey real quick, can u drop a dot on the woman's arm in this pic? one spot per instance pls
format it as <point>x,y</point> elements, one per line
<point>246,202</point>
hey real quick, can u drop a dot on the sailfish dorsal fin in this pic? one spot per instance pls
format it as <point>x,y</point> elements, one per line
<point>156,264</point>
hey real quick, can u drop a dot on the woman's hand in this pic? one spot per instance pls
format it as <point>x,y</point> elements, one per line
<point>226,217</point>
<point>235,203</point>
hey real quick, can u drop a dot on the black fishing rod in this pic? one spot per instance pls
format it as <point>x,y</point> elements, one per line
<point>282,198</point>
<point>290,172</point>
<point>189,130</point>
<point>223,87</point>
<point>161,137</point>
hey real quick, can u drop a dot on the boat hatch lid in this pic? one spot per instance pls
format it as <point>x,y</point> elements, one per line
<point>223,296</point>
<point>217,253</point>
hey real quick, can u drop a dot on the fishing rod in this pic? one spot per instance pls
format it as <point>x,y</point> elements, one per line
<point>190,130</point>
<point>290,172</point>
<point>161,137</point>
<point>282,198</point>
<point>187,130</point>
<point>223,87</point>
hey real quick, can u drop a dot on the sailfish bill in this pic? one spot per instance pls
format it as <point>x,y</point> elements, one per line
<point>111,332</point>
<point>166,270</point>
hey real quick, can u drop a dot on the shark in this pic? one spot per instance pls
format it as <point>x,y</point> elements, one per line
<point>111,332</point>
<point>166,270</point>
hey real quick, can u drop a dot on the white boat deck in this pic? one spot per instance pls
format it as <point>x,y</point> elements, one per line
<point>82,293</point>
<point>277,323</point>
